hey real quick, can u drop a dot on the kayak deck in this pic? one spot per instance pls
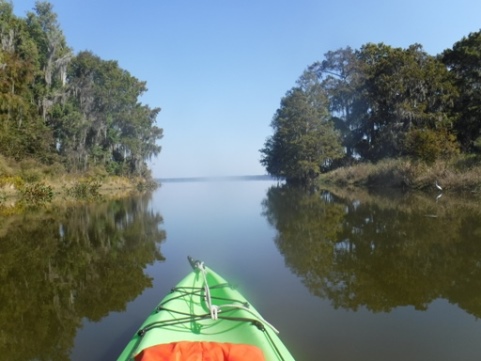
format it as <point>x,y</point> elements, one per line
<point>203,307</point>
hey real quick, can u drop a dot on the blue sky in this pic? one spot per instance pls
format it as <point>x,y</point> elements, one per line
<point>219,68</point>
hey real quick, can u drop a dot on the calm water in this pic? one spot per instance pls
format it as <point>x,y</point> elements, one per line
<point>343,275</point>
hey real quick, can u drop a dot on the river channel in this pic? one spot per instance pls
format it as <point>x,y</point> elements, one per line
<point>344,275</point>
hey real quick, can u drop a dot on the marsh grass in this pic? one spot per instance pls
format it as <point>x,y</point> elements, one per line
<point>31,182</point>
<point>462,173</point>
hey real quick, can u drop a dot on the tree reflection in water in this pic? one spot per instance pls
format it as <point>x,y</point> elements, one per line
<point>59,266</point>
<point>379,253</point>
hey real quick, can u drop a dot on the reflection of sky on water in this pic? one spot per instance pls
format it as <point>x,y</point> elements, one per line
<point>218,222</point>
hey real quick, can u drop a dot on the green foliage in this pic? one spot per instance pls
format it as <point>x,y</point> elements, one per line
<point>429,145</point>
<point>464,61</point>
<point>406,89</point>
<point>396,90</point>
<point>87,188</point>
<point>114,131</point>
<point>80,110</point>
<point>304,141</point>
<point>385,102</point>
<point>36,194</point>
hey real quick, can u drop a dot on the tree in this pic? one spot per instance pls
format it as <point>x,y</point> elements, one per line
<point>304,142</point>
<point>405,89</point>
<point>22,132</point>
<point>102,123</point>
<point>341,79</point>
<point>81,110</point>
<point>54,55</point>
<point>379,94</point>
<point>463,62</point>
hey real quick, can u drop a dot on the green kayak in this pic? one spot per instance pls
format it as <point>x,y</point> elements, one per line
<point>205,318</point>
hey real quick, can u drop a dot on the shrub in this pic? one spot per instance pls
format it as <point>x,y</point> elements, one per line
<point>36,193</point>
<point>147,185</point>
<point>429,145</point>
<point>87,188</point>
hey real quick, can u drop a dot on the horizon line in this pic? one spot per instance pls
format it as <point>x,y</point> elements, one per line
<point>214,178</point>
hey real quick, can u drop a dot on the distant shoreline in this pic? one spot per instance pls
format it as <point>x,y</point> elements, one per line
<point>216,179</point>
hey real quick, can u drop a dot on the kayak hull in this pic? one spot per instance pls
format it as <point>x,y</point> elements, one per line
<point>219,313</point>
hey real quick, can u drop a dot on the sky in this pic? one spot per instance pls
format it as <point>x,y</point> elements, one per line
<point>219,68</point>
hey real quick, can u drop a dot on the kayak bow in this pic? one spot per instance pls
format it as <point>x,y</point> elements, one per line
<point>205,315</point>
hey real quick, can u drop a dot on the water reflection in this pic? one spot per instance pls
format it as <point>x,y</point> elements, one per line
<point>378,252</point>
<point>59,266</point>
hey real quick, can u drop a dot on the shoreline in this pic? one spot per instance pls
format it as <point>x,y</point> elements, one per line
<point>457,175</point>
<point>69,189</point>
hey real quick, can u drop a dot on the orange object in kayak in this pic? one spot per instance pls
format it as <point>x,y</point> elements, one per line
<point>201,351</point>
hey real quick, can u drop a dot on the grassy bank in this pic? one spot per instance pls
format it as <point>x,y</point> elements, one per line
<point>30,182</point>
<point>460,174</point>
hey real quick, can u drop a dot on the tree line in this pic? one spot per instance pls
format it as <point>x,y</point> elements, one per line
<point>379,101</point>
<point>60,108</point>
